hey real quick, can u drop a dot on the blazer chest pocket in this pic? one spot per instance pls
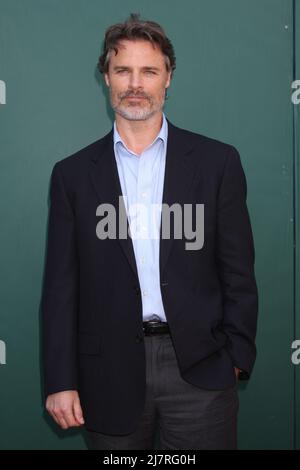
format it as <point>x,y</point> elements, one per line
<point>89,344</point>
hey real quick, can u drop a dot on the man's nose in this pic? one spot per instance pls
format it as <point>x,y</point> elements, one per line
<point>136,80</point>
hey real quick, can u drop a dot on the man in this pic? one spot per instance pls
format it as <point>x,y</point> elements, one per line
<point>143,331</point>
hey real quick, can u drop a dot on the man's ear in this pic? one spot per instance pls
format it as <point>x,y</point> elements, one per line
<point>106,79</point>
<point>168,80</point>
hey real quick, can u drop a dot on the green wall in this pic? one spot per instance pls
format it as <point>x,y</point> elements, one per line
<point>236,60</point>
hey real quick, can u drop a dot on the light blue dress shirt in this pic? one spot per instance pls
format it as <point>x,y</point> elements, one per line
<point>142,179</point>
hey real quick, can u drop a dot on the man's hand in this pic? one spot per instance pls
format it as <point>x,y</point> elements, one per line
<point>65,409</point>
<point>237,371</point>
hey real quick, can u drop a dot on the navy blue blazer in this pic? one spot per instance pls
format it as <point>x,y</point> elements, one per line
<point>91,304</point>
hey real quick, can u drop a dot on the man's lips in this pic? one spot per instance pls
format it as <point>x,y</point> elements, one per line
<point>135,98</point>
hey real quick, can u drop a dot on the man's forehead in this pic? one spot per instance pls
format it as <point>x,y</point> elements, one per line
<point>126,45</point>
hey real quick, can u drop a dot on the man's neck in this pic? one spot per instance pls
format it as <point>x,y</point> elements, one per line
<point>138,135</point>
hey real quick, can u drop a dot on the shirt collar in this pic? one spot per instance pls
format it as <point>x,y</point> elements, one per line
<point>163,134</point>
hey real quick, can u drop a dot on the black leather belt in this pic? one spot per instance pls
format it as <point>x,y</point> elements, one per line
<point>155,327</point>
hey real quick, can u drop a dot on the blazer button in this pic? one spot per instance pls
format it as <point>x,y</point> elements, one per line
<point>138,338</point>
<point>137,290</point>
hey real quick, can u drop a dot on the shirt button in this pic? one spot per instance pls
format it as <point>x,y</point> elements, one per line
<point>145,292</point>
<point>144,194</point>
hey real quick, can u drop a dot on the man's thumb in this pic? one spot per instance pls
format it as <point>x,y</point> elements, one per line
<point>78,411</point>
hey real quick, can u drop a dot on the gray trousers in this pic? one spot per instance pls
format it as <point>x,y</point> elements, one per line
<point>185,416</point>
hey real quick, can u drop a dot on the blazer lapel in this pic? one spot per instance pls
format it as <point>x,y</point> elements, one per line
<point>105,179</point>
<point>179,173</point>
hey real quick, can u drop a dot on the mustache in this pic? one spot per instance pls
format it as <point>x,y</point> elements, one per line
<point>129,94</point>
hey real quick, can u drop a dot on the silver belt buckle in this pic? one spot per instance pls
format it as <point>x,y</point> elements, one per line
<point>150,323</point>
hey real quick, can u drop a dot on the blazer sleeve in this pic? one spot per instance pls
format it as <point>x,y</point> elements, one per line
<point>60,292</point>
<point>235,262</point>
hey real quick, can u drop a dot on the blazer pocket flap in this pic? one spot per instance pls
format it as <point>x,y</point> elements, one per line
<point>89,344</point>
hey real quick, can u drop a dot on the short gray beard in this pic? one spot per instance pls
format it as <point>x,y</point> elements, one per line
<point>137,114</point>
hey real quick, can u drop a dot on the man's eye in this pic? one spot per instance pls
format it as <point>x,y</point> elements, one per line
<point>121,71</point>
<point>151,72</point>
